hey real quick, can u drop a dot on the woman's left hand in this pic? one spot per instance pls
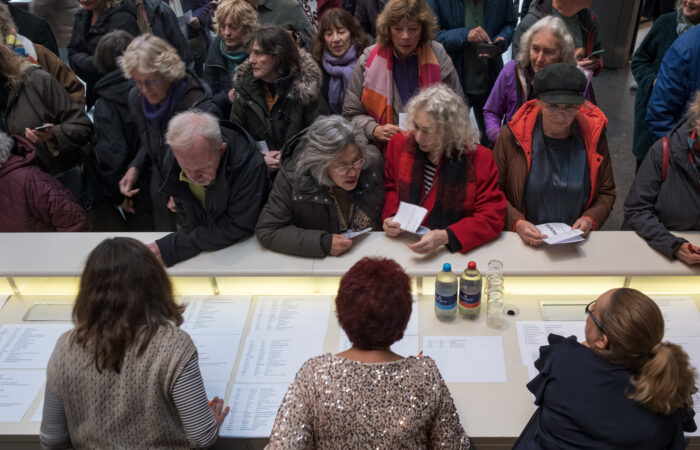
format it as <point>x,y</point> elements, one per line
<point>430,242</point>
<point>39,136</point>
<point>584,224</point>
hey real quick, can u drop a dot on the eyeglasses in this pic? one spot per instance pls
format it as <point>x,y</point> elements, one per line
<point>590,313</point>
<point>343,169</point>
<point>567,109</point>
<point>148,83</point>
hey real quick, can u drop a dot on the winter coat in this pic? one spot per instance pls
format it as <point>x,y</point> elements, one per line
<point>115,138</point>
<point>654,207</point>
<point>645,65</point>
<point>32,200</point>
<point>354,110</point>
<point>366,12</point>
<point>513,154</point>
<point>59,14</point>
<point>163,23</point>
<point>300,217</point>
<point>676,82</point>
<point>287,14</point>
<point>486,221</point>
<point>500,20</point>
<point>510,91</point>
<point>81,49</point>
<point>299,103</point>
<point>33,27</point>
<point>217,76</point>
<point>41,99</point>
<point>200,10</point>
<point>541,8</point>
<point>232,203</point>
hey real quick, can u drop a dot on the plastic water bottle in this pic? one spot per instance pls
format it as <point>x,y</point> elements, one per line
<point>446,294</point>
<point>470,292</point>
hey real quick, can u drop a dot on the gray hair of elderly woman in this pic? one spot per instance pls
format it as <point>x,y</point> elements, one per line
<point>184,127</point>
<point>150,54</point>
<point>557,27</point>
<point>6,146</point>
<point>450,115</point>
<point>324,140</point>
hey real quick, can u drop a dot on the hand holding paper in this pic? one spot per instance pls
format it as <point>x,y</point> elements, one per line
<point>560,233</point>
<point>410,216</point>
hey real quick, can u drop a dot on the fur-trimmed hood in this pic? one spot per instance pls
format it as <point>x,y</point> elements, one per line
<point>305,85</point>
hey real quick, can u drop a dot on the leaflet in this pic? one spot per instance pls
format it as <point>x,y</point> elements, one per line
<point>467,359</point>
<point>291,315</point>
<point>560,233</point>
<point>276,359</point>
<point>18,389</point>
<point>253,410</point>
<point>216,314</point>
<point>410,216</point>
<point>406,346</point>
<point>681,316</point>
<point>28,346</point>
<point>353,234</point>
<point>533,334</point>
<point>217,353</point>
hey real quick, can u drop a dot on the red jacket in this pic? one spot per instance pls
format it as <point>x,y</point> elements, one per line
<point>489,205</point>
<point>32,200</point>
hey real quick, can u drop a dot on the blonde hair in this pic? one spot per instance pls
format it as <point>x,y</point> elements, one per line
<point>556,26</point>
<point>663,380</point>
<point>411,10</point>
<point>451,117</point>
<point>693,113</point>
<point>240,13</point>
<point>150,54</point>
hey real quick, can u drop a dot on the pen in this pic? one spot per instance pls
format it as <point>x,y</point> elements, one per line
<point>420,353</point>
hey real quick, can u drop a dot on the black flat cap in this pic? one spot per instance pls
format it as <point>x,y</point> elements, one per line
<point>560,83</point>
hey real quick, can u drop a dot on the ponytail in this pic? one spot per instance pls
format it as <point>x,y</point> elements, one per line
<point>666,381</point>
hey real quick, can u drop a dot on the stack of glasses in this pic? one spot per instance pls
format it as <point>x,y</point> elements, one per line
<point>494,294</point>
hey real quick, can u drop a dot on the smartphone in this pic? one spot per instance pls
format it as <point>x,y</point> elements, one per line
<point>596,53</point>
<point>488,49</point>
<point>43,127</point>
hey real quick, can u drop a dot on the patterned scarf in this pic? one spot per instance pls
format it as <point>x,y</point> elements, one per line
<point>455,184</point>
<point>378,93</point>
<point>339,68</point>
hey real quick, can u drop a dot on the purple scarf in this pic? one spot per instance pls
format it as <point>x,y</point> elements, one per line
<point>339,69</point>
<point>162,114</point>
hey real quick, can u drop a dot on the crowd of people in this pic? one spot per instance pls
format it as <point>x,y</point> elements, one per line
<point>213,121</point>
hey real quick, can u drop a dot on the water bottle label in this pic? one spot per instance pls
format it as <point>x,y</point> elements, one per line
<point>469,301</point>
<point>445,302</point>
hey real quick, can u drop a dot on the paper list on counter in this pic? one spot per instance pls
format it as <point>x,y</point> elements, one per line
<point>291,315</point>
<point>28,346</point>
<point>216,354</point>
<point>215,314</point>
<point>18,389</point>
<point>681,316</point>
<point>276,359</point>
<point>406,346</point>
<point>253,409</point>
<point>533,334</point>
<point>467,359</point>
<point>39,412</point>
<point>215,389</point>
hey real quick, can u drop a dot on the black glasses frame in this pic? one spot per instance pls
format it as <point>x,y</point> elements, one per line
<point>590,313</point>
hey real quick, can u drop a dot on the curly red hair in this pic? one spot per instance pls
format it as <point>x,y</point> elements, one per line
<point>374,303</point>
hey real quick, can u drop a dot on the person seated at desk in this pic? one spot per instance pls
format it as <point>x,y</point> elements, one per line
<point>126,376</point>
<point>553,159</point>
<point>439,165</point>
<point>334,185</point>
<point>219,182</point>
<point>621,388</point>
<point>377,388</point>
<point>665,194</point>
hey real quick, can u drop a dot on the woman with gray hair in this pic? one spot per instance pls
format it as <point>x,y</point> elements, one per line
<point>163,88</point>
<point>546,42</point>
<point>439,165</point>
<point>333,186</point>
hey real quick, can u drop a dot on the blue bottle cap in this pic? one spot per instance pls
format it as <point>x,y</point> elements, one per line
<point>447,267</point>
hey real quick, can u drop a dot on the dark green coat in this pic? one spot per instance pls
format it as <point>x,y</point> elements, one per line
<point>645,65</point>
<point>298,105</point>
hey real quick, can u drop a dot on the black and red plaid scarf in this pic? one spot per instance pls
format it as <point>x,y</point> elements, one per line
<point>455,181</point>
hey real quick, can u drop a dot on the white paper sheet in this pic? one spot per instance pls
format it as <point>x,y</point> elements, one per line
<point>28,346</point>
<point>217,353</point>
<point>467,359</point>
<point>253,410</point>
<point>281,315</point>
<point>410,216</point>
<point>216,389</point>
<point>216,314</point>
<point>353,234</point>
<point>39,412</point>
<point>560,233</point>
<point>407,346</point>
<point>403,121</point>
<point>3,300</point>
<point>276,359</point>
<point>533,334</point>
<point>18,389</point>
<point>680,314</point>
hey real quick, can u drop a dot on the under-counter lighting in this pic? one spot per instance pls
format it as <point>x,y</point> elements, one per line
<point>548,285</point>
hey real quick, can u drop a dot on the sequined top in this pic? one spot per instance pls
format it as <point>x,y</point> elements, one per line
<point>339,403</point>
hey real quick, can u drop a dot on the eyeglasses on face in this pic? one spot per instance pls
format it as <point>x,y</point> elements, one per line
<point>148,83</point>
<point>343,169</point>
<point>590,313</point>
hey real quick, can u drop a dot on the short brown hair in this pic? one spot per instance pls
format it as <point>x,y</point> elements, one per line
<point>125,296</point>
<point>411,10</point>
<point>276,42</point>
<point>337,18</point>
<point>374,303</point>
<point>663,379</point>
<point>110,47</point>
